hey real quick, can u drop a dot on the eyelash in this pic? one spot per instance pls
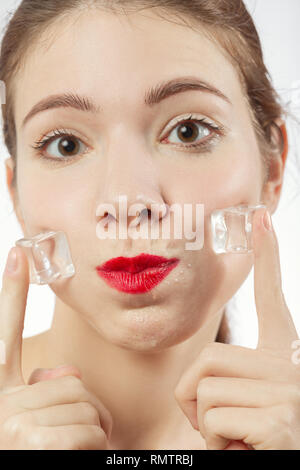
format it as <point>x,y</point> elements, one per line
<point>205,145</point>
<point>40,146</point>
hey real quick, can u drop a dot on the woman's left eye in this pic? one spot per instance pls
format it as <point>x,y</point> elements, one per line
<point>194,133</point>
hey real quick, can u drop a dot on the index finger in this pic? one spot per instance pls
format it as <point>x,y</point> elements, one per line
<point>275,323</point>
<point>13,298</point>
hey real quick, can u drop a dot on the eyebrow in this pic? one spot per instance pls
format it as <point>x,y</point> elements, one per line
<point>152,97</point>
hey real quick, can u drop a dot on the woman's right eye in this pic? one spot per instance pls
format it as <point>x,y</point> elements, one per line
<point>60,146</point>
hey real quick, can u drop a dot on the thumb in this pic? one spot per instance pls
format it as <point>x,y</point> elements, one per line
<point>38,375</point>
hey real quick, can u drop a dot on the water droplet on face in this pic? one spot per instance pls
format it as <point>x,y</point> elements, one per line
<point>153,294</point>
<point>189,265</point>
<point>181,272</point>
<point>176,280</point>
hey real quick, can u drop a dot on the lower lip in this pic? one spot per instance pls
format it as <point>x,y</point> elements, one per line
<point>137,283</point>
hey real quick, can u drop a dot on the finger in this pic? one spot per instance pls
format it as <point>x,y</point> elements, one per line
<point>275,324</point>
<point>13,298</point>
<point>59,391</point>
<point>222,391</point>
<point>73,437</point>
<point>259,428</point>
<point>222,425</point>
<point>228,360</point>
<point>38,375</point>
<point>65,415</point>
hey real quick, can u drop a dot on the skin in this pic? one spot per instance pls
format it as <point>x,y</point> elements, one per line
<point>151,342</point>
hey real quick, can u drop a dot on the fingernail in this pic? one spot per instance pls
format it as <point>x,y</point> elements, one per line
<point>267,221</point>
<point>12,261</point>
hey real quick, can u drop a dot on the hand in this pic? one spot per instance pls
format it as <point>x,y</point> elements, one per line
<point>233,393</point>
<point>54,410</point>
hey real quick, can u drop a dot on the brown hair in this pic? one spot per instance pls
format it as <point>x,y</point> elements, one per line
<point>226,22</point>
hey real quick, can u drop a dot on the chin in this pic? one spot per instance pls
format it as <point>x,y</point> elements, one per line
<point>148,330</point>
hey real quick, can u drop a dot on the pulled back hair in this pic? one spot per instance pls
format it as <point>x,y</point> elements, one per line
<point>227,22</point>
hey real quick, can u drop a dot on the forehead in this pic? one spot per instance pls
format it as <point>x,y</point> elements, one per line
<point>114,58</point>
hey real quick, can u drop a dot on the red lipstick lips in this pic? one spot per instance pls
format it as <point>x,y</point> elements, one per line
<point>136,275</point>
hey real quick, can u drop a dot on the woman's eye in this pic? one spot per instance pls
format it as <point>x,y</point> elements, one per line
<point>61,147</point>
<point>193,133</point>
<point>68,146</point>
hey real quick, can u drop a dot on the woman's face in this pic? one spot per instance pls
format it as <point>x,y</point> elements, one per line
<point>125,148</point>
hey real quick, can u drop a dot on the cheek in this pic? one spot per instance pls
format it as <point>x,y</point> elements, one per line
<point>55,202</point>
<point>227,179</point>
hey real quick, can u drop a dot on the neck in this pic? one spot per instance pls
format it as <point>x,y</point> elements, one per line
<point>137,388</point>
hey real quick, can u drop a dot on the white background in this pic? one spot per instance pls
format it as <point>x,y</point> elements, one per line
<point>278,25</point>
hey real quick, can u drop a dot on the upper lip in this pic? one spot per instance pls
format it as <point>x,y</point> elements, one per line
<point>136,264</point>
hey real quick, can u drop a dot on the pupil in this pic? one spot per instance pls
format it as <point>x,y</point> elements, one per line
<point>67,145</point>
<point>187,131</point>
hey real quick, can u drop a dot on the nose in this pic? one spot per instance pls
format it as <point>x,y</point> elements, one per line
<point>131,193</point>
<point>132,213</point>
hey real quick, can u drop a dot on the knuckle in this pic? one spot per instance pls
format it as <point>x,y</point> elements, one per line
<point>90,412</point>
<point>95,438</point>
<point>205,364</point>
<point>180,389</point>
<point>271,421</point>
<point>178,393</point>
<point>99,436</point>
<point>70,443</point>
<point>209,420</point>
<point>204,388</point>
<point>286,416</point>
<point>13,426</point>
<point>23,435</point>
<point>282,426</point>
<point>20,430</point>
<point>208,354</point>
<point>40,439</point>
<point>72,380</point>
<point>73,444</point>
<point>288,436</point>
<point>98,432</point>
<point>274,419</point>
<point>74,384</point>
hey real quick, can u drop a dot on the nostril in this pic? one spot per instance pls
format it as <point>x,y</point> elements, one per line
<point>107,218</point>
<point>140,216</point>
<point>145,213</point>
